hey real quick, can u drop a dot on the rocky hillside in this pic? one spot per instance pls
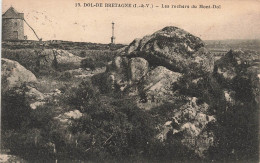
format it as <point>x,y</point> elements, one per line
<point>173,67</point>
<point>151,66</point>
<point>163,97</point>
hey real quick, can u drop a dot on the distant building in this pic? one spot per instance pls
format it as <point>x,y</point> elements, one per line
<point>12,25</point>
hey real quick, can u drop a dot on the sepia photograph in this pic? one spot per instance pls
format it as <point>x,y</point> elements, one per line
<point>130,81</point>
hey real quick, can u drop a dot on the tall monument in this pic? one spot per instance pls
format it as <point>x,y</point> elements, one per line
<point>113,36</point>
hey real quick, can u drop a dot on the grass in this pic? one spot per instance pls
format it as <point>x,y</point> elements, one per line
<point>47,84</point>
<point>98,55</point>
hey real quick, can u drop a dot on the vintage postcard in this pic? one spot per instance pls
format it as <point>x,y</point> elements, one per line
<point>130,81</point>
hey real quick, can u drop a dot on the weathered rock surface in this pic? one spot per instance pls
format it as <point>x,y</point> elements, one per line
<point>236,61</point>
<point>189,122</point>
<point>33,93</point>
<point>174,49</point>
<point>34,97</point>
<point>238,72</point>
<point>62,57</point>
<point>152,87</point>
<point>44,60</point>
<point>138,68</point>
<point>66,117</point>
<point>156,87</point>
<point>36,104</point>
<point>118,64</point>
<point>117,74</point>
<point>14,74</point>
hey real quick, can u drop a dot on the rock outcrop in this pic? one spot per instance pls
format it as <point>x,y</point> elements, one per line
<point>156,87</point>
<point>32,93</point>
<point>46,60</point>
<point>151,87</point>
<point>150,65</point>
<point>236,61</point>
<point>66,117</point>
<point>188,124</point>
<point>138,67</point>
<point>238,72</point>
<point>14,74</point>
<point>174,49</point>
<point>49,56</point>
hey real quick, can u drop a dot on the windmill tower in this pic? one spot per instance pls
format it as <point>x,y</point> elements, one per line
<point>113,36</point>
<point>12,25</point>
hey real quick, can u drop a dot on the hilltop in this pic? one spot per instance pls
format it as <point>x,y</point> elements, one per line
<point>64,45</point>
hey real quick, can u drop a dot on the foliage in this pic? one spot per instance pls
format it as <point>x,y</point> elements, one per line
<point>90,63</point>
<point>237,132</point>
<point>24,129</point>
<point>15,109</point>
<point>114,129</point>
<point>65,76</point>
<point>99,80</point>
<point>83,54</point>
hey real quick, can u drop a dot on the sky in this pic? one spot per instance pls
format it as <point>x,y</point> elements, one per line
<point>61,20</point>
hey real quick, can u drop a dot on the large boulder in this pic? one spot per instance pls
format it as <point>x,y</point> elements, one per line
<point>50,56</point>
<point>174,49</point>
<point>65,57</point>
<point>156,87</point>
<point>14,74</point>
<point>124,72</point>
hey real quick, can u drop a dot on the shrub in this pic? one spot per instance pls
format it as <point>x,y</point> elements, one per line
<point>88,63</point>
<point>65,76</point>
<point>83,54</point>
<point>25,132</point>
<point>15,110</point>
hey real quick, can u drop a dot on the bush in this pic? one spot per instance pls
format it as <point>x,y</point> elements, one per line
<point>83,54</point>
<point>92,64</point>
<point>25,132</point>
<point>88,63</point>
<point>65,76</point>
<point>15,110</point>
